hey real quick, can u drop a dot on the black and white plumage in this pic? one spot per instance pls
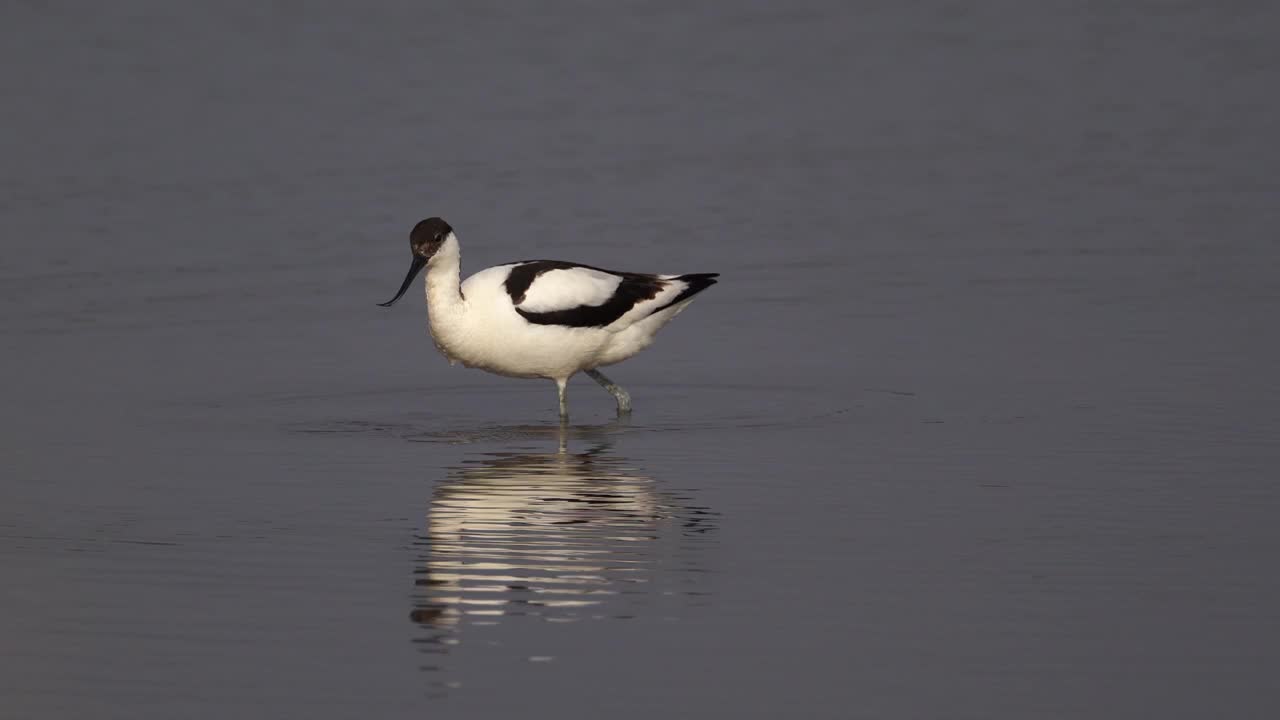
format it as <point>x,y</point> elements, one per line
<point>554,292</point>
<point>542,318</point>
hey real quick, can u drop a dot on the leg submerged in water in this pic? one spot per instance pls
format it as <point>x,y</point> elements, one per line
<point>623,398</point>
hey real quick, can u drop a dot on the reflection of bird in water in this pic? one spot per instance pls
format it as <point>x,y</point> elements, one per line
<point>557,536</point>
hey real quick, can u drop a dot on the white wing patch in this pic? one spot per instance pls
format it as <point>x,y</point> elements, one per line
<point>568,288</point>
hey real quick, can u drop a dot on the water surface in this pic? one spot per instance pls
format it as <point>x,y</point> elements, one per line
<point>980,421</point>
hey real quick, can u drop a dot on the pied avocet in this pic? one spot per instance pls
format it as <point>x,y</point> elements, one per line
<point>542,318</point>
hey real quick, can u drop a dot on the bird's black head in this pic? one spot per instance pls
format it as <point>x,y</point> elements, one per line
<point>424,242</point>
<point>428,236</point>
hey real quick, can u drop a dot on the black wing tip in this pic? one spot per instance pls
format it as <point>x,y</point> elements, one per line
<point>697,282</point>
<point>694,284</point>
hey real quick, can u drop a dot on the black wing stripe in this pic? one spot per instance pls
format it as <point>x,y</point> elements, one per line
<point>523,275</point>
<point>633,290</point>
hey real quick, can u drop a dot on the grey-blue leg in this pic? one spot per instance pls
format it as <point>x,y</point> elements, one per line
<point>623,398</point>
<point>564,406</point>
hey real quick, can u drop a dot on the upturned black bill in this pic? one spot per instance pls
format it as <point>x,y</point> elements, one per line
<point>414,269</point>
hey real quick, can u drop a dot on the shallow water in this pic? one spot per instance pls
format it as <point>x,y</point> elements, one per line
<point>980,421</point>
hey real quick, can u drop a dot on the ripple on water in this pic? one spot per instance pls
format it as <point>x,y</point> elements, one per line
<point>718,408</point>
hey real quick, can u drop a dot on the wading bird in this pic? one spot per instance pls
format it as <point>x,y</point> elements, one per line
<point>542,318</point>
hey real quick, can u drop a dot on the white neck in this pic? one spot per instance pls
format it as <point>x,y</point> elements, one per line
<point>444,293</point>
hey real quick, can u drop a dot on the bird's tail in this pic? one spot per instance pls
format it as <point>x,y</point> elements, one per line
<point>694,283</point>
<point>697,282</point>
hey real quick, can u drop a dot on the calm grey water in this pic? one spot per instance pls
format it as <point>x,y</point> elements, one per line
<point>981,421</point>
